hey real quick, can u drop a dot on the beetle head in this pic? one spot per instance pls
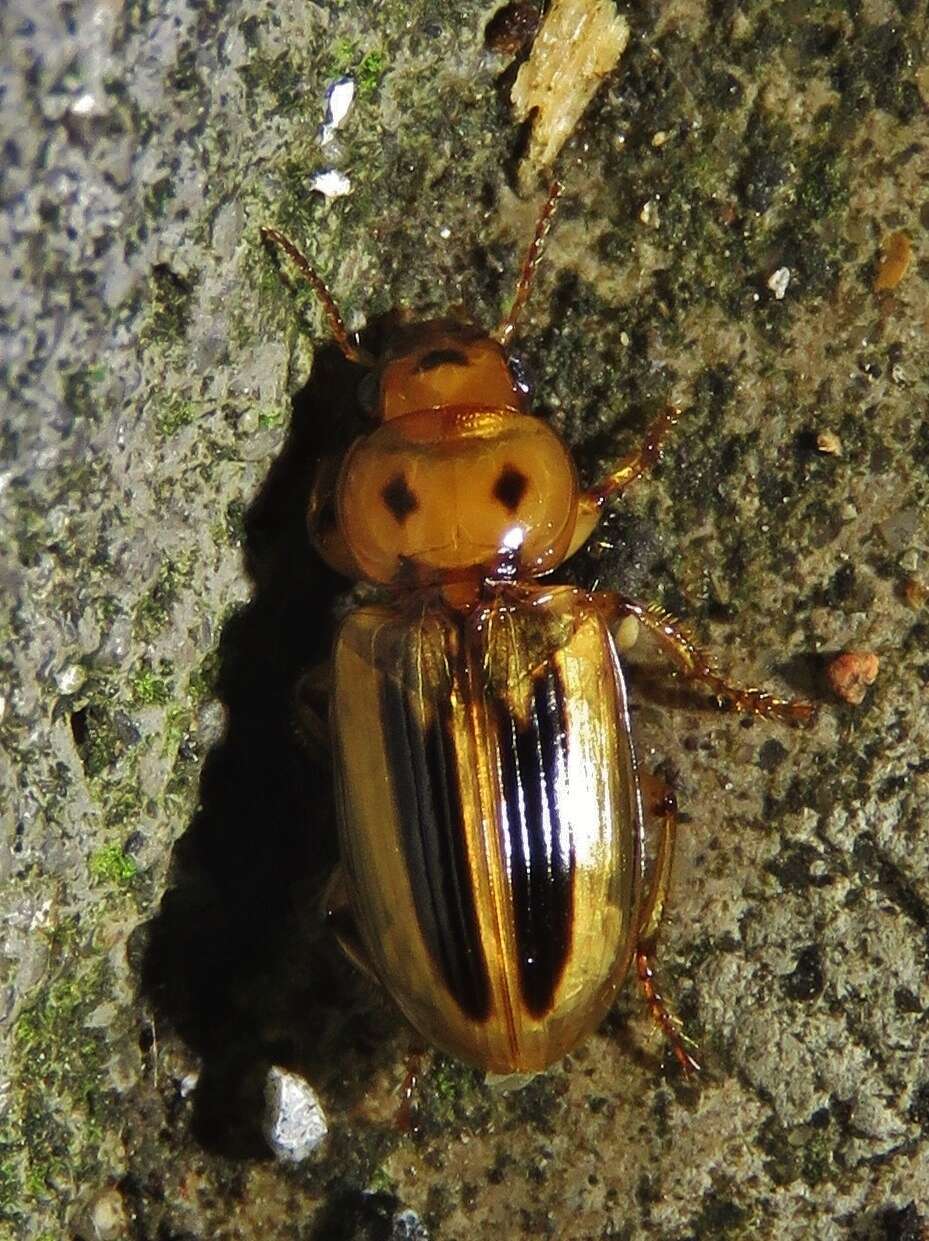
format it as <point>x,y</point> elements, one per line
<point>444,362</point>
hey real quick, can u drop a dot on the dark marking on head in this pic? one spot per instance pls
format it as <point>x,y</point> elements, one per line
<point>510,487</point>
<point>440,357</point>
<point>399,498</point>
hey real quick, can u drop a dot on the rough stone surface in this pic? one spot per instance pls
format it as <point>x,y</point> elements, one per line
<point>167,836</point>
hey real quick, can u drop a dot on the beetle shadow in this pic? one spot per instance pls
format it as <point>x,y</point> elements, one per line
<point>238,960</point>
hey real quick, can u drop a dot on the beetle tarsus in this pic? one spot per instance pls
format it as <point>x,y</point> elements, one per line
<point>661,1014</point>
<point>405,1118</point>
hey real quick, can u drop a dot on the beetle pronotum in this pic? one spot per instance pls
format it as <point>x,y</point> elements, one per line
<point>490,809</point>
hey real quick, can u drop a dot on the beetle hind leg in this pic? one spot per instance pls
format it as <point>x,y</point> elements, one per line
<point>649,922</point>
<point>696,663</point>
<point>341,922</point>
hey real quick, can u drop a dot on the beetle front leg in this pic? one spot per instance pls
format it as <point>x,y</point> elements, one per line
<point>591,502</point>
<point>695,663</point>
<point>649,922</point>
<point>311,709</point>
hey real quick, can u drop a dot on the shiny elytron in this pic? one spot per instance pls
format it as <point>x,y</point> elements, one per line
<point>491,815</point>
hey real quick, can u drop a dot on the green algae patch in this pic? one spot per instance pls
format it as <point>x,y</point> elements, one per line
<point>154,608</point>
<point>171,412</point>
<point>366,67</point>
<point>111,865</point>
<point>55,1119</point>
<point>170,303</point>
<point>148,688</point>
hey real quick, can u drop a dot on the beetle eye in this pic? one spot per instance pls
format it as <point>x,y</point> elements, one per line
<point>368,392</point>
<point>519,373</point>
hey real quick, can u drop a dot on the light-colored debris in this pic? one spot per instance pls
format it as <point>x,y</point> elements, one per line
<point>331,183</point>
<point>828,443</point>
<point>104,1219</point>
<point>578,44</point>
<point>339,100</point>
<point>778,282</point>
<point>407,1226</point>
<point>294,1123</point>
<point>188,1084</point>
<point>649,214</point>
<point>70,679</point>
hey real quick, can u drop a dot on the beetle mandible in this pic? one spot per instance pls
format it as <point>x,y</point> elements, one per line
<point>490,807</point>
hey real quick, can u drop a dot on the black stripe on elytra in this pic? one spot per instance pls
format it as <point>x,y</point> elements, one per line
<point>439,357</point>
<point>534,769</point>
<point>428,807</point>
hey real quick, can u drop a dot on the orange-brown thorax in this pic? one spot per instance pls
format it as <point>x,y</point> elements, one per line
<point>458,482</point>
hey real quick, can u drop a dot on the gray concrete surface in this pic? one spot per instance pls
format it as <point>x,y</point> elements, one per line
<point>166,834</point>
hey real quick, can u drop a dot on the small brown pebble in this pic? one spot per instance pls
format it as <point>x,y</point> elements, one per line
<point>512,28</point>
<point>851,673</point>
<point>893,263</point>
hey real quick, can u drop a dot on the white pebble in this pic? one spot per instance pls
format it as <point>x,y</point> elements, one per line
<point>70,679</point>
<point>331,183</point>
<point>294,1124</point>
<point>339,101</point>
<point>779,281</point>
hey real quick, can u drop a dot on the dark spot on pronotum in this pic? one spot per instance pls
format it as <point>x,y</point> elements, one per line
<point>399,499</point>
<point>510,487</point>
<point>439,357</point>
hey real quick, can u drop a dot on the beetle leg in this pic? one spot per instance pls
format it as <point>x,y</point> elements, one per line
<point>694,662</point>
<point>650,920</point>
<point>341,921</point>
<point>659,797</point>
<point>310,707</point>
<point>591,502</point>
<point>661,1014</point>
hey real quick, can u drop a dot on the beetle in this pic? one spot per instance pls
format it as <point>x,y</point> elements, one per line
<point>490,804</point>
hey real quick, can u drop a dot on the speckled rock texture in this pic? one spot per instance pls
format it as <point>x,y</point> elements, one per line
<point>167,831</point>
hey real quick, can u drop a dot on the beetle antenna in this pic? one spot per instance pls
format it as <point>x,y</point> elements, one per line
<point>353,352</point>
<point>504,332</point>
